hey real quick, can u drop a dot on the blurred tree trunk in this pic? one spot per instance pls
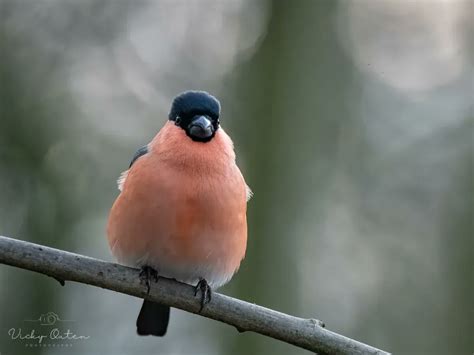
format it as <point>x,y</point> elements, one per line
<point>284,107</point>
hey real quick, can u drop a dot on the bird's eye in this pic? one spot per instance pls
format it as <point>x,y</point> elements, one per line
<point>177,121</point>
<point>218,121</point>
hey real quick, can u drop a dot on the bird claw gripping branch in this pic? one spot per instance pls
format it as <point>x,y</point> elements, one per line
<point>147,273</point>
<point>206,292</point>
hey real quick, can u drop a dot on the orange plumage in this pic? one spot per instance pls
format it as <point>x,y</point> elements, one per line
<point>182,206</point>
<point>182,209</point>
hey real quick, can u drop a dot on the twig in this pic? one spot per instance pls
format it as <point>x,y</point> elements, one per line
<point>62,265</point>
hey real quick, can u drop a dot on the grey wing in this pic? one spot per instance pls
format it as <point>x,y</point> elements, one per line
<point>142,151</point>
<point>123,176</point>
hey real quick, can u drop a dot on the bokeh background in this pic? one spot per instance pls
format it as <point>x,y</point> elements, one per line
<point>353,124</point>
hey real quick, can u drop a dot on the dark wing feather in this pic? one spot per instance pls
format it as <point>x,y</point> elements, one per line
<point>142,151</point>
<point>123,176</point>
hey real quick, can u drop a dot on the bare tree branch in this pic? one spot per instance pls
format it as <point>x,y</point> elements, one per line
<point>62,265</point>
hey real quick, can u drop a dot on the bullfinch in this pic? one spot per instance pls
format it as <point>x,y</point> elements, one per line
<point>181,211</point>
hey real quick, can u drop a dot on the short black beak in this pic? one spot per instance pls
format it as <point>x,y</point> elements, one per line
<point>201,128</point>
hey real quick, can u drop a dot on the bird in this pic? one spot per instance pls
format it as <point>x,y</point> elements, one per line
<point>181,212</point>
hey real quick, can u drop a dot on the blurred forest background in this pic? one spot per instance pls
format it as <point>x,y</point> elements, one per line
<point>353,124</point>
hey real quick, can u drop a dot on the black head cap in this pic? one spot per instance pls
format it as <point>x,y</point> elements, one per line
<point>197,112</point>
<point>191,103</point>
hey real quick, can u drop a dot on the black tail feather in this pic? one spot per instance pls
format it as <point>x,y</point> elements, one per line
<point>153,319</point>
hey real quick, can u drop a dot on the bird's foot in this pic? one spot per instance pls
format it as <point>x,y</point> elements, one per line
<point>146,274</point>
<point>205,290</point>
